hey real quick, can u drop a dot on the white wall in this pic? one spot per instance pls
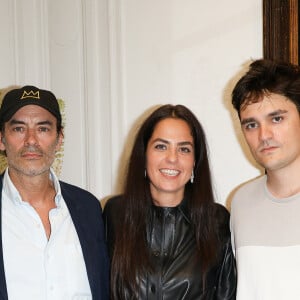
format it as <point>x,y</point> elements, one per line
<point>111,60</point>
<point>190,52</point>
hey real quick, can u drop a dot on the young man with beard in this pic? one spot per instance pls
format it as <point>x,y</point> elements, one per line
<point>51,233</point>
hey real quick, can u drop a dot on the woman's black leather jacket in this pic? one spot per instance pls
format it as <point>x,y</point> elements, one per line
<point>177,273</point>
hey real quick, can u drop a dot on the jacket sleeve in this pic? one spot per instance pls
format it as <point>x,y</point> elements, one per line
<point>226,288</point>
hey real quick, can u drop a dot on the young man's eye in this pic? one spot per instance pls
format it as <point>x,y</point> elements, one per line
<point>250,125</point>
<point>277,119</point>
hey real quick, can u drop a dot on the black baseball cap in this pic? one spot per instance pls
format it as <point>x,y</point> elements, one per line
<point>17,98</point>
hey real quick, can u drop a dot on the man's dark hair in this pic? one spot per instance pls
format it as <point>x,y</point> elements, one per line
<point>266,77</point>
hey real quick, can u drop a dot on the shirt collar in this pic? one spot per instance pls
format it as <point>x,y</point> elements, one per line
<point>12,193</point>
<point>182,208</point>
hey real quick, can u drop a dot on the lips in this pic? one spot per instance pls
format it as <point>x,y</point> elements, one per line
<point>268,146</point>
<point>31,155</point>
<point>31,151</point>
<point>268,149</point>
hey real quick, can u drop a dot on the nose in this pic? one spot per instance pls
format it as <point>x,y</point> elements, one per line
<point>172,155</point>
<point>30,138</point>
<point>265,132</point>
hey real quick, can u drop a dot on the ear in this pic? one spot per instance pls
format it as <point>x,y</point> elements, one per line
<point>60,139</point>
<point>2,145</point>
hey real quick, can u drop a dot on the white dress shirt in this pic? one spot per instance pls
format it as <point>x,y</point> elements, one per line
<point>37,268</point>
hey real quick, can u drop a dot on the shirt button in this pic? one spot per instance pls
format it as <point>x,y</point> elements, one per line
<point>156,253</point>
<point>153,289</point>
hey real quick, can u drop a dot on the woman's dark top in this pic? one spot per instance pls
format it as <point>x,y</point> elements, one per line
<point>177,269</point>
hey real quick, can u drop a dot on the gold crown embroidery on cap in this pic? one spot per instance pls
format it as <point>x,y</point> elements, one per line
<point>31,94</point>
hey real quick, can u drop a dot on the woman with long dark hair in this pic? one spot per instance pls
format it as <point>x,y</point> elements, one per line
<point>167,237</point>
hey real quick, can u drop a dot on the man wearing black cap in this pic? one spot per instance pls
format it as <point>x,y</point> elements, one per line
<point>51,233</point>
